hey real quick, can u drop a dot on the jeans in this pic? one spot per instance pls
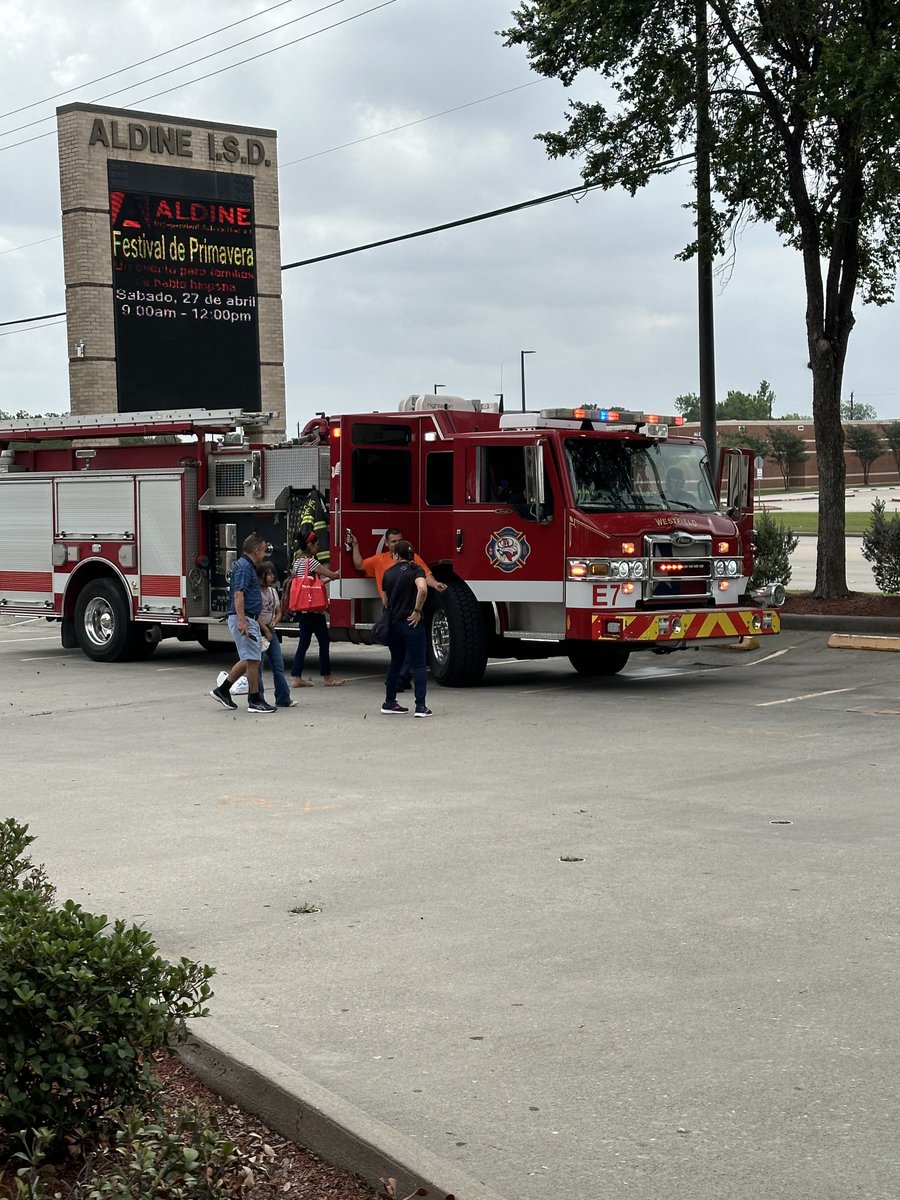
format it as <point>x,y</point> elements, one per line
<point>312,623</point>
<point>275,659</point>
<point>406,643</point>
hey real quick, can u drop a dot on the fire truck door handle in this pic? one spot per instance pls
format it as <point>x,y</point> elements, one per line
<point>459,540</point>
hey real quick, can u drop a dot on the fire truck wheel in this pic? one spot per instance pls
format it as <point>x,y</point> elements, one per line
<point>457,644</point>
<point>598,660</point>
<point>102,623</point>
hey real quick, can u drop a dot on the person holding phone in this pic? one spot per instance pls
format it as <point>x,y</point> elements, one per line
<point>244,607</point>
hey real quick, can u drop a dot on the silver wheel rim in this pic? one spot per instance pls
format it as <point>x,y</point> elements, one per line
<point>440,638</point>
<point>99,622</point>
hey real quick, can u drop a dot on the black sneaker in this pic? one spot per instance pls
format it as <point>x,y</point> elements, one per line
<point>223,698</point>
<point>390,710</point>
<point>423,711</point>
<point>260,706</point>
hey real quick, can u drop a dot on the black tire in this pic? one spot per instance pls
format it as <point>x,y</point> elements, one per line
<point>591,658</point>
<point>103,622</point>
<point>457,643</point>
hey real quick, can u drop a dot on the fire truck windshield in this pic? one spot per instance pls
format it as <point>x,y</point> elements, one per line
<point>615,475</point>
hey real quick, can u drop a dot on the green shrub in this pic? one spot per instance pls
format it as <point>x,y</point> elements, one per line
<point>188,1161</point>
<point>16,868</point>
<point>775,544</point>
<point>83,1005</point>
<point>881,547</point>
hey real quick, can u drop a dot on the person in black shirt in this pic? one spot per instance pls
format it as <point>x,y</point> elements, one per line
<point>405,589</point>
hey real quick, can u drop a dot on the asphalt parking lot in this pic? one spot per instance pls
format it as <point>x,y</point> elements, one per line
<point>626,937</point>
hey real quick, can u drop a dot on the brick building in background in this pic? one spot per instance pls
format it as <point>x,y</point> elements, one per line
<point>806,474</point>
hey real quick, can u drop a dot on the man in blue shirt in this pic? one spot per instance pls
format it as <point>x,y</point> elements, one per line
<point>244,604</point>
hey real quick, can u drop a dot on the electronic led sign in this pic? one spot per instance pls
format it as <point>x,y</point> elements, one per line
<point>184,288</point>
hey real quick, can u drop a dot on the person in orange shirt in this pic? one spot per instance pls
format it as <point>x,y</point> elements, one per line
<point>375,567</point>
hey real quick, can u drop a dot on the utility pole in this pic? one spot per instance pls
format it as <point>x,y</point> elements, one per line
<point>522,354</point>
<point>706,330</point>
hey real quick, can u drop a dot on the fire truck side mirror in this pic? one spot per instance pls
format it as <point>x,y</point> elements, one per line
<point>534,476</point>
<point>737,481</point>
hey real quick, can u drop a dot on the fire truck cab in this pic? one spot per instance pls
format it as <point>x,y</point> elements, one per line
<point>583,532</point>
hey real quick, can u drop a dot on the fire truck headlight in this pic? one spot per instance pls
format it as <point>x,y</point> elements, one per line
<point>726,566</point>
<point>618,569</point>
<point>638,569</point>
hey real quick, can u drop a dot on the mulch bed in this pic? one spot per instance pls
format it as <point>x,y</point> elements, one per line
<point>267,1165</point>
<point>856,604</point>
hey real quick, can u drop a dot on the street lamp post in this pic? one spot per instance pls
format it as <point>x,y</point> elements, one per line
<point>522,354</point>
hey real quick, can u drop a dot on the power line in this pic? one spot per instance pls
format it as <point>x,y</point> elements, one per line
<point>26,320</point>
<point>485,216</point>
<point>210,74</point>
<point>49,325</point>
<point>408,125</point>
<point>142,62</point>
<point>28,245</point>
<point>370,137</point>
<point>183,66</point>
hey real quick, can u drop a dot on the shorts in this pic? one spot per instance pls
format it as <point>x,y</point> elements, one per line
<point>249,646</point>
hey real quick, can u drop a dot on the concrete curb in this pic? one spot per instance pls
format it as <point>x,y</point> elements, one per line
<point>313,1117</point>
<point>820,623</point>
<point>851,641</point>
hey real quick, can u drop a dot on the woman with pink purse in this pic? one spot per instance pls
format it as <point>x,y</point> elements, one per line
<point>307,596</point>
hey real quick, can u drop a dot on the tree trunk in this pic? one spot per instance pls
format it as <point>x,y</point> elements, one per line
<point>827,364</point>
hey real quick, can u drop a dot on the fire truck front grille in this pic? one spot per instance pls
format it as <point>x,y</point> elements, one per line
<point>230,479</point>
<point>680,567</point>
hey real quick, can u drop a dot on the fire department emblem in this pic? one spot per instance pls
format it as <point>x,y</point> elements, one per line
<point>508,549</point>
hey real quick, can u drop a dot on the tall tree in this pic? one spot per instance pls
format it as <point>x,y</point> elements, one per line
<point>689,406</point>
<point>747,406</point>
<point>804,111</point>
<point>865,444</point>
<point>852,410</point>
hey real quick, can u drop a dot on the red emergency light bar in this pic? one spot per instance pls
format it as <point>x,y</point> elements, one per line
<point>609,416</point>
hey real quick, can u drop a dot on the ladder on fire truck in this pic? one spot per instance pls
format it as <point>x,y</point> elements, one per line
<point>141,424</point>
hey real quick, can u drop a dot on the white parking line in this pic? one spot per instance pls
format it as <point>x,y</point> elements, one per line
<point>768,657</point>
<point>808,696</point>
<point>45,658</point>
<point>53,637</point>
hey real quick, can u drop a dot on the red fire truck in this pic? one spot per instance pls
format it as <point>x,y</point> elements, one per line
<point>584,532</point>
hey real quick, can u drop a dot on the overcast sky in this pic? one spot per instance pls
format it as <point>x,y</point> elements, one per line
<point>591,286</point>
